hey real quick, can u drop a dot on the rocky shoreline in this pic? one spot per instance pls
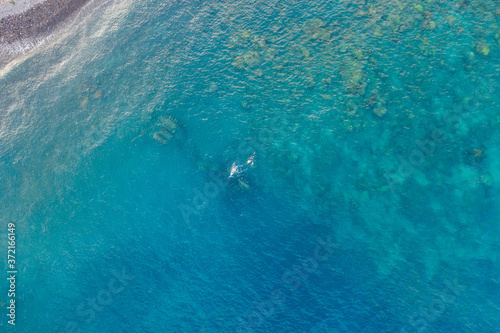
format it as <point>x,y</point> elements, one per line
<point>22,31</point>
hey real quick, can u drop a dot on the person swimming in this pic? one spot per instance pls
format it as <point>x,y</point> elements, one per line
<point>237,168</point>
<point>250,159</point>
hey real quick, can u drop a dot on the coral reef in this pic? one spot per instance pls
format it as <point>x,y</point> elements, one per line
<point>357,103</point>
<point>353,76</point>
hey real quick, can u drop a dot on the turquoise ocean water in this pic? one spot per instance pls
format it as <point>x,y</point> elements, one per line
<point>371,205</point>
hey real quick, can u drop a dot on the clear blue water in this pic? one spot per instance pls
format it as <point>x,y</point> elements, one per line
<point>371,206</point>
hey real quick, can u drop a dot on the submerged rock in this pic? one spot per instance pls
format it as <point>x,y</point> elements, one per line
<point>252,58</point>
<point>313,28</point>
<point>353,76</point>
<point>84,102</point>
<point>238,62</point>
<point>487,179</point>
<point>380,110</point>
<point>243,185</point>
<point>246,104</point>
<point>322,34</point>
<point>270,54</point>
<point>483,48</point>
<point>418,7</point>
<point>212,87</point>
<point>305,52</point>
<point>259,72</point>
<point>358,54</point>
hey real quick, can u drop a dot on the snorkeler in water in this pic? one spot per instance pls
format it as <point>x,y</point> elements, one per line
<point>236,168</point>
<point>250,159</point>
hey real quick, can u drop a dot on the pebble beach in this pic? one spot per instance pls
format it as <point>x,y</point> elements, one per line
<point>25,24</point>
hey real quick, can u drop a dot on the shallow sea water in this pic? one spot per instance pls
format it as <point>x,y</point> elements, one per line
<point>371,206</point>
